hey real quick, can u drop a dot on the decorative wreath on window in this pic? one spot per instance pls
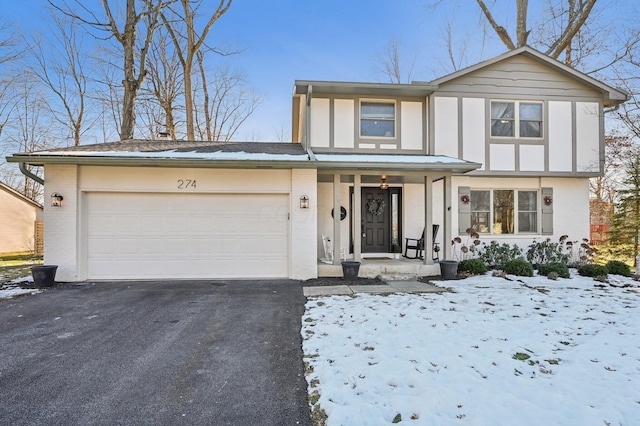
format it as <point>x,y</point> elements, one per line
<point>464,199</point>
<point>548,200</point>
<point>375,206</point>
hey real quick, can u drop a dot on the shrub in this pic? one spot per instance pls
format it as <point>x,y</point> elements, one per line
<point>618,268</point>
<point>519,267</point>
<point>495,255</point>
<point>559,268</point>
<point>593,270</point>
<point>472,266</point>
<point>539,253</point>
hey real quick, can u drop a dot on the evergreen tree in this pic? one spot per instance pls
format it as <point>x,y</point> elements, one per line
<point>625,227</point>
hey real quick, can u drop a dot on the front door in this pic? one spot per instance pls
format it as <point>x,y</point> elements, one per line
<point>375,230</point>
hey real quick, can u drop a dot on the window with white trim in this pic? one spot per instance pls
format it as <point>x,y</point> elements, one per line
<point>378,119</point>
<point>516,119</point>
<point>504,211</point>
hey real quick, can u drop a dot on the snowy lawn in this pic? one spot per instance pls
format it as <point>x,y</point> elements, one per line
<point>12,288</point>
<point>524,351</point>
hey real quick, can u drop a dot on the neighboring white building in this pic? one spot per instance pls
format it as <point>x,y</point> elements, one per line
<point>19,222</point>
<point>505,147</point>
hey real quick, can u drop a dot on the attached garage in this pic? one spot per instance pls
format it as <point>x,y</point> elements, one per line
<point>169,235</point>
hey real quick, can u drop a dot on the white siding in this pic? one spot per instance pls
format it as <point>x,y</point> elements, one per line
<point>325,221</point>
<point>502,157</point>
<point>320,123</point>
<point>446,126</point>
<point>304,232</point>
<point>473,130</point>
<point>560,137</point>
<point>411,125</point>
<point>344,123</point>
<point>532,158</point>
<point>588,136</point>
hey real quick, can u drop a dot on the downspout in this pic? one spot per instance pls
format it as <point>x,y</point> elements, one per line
<point>307,127</point>
<point>27,173</point>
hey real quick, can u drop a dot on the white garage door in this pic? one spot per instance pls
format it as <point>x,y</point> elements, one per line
<point>131,235</point>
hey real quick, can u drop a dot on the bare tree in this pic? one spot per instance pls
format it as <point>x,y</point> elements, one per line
<point>60,66</point>
<point>226,102</point>
<point>392,67</point>
<point>134,34</point>
<point>187,43</point>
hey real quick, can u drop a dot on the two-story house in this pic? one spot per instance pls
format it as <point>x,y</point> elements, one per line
<point>505,147</point>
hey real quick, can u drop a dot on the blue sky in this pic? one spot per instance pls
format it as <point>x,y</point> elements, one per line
<point>285,40</point>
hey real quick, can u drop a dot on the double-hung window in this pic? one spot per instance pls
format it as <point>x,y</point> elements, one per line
<point>504,211</point>
<point>516,119</point>
<point>378,119</point>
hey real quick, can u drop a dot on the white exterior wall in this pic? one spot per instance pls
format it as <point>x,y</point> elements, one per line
<point>411,125</point>
<point>570,206</point>
<point>560,137</point>
<point>344,123</point>
<point>320,123</point>
<point>303,225</point>
<point>473,130</point>
<point>61,231</point>
<point>446,126</point>
<point>325,221</point>
<point>588,133</point>
<point>17,218</point>
<point>532,158</point>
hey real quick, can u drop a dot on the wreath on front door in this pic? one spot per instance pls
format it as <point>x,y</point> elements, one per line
<point>375,206</point>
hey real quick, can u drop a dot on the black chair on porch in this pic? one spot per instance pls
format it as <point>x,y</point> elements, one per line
<point>417,246</point>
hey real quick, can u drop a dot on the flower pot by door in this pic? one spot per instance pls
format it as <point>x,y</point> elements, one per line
<point>448,269</point>
<point>350,270</point>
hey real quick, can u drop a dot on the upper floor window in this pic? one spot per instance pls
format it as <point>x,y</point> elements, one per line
<point>378,119</point>
<point>516,119</point>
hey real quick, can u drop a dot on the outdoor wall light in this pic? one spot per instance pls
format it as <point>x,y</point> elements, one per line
<point>304,202</point>
<point>384,184</point>
<point>56,200</point>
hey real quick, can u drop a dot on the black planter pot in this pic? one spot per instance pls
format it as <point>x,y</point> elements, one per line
<point>44,275</point>
<point>449,269</point>
<point>350,270</point>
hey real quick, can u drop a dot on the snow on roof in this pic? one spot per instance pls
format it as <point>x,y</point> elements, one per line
<point>215,155</point>
<point>377,158</point>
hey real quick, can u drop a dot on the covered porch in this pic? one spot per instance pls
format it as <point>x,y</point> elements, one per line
<point>381,205</point>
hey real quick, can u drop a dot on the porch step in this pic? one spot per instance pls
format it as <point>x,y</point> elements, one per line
<point>398,277</point>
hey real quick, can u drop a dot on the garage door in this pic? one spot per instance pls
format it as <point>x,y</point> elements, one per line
<point>140,236</point>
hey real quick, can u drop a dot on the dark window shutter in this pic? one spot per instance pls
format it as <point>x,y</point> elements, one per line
<point>547,211</point>
<point>464,209</point>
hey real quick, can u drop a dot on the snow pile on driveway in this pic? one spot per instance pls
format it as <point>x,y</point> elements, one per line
<point>13,289</point>
<point>525,351</point>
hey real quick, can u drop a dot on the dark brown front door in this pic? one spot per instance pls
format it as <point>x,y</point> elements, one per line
<point>375,221</point>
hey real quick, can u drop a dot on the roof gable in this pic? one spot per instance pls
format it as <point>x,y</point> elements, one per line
<point>509,62</point>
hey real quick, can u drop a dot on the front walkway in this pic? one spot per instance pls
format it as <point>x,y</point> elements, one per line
<point>388,287</point>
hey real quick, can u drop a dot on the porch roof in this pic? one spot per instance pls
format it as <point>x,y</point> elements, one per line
<point>390,162</point>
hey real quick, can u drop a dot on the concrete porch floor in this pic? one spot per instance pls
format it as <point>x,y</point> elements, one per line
<point>376,266</point>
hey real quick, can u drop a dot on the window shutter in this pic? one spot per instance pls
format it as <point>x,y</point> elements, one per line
<point>464,209</point>
<point>547,211</point>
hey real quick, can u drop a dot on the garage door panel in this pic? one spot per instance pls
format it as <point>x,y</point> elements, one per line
<point>186,235</point>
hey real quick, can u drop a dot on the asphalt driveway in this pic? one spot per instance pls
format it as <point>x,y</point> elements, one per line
<point>183,352</point>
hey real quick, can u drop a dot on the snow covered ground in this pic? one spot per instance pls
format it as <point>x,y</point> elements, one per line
<point>525,351</point>
<point>12,288</point>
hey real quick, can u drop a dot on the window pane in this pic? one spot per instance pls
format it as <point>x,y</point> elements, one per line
<point>527,200</point>
<point>531,112</point>
<point>480,201</point>
<point>503,212</point>
<point>378,111</point>
<point>530,129</point>
<point>527,222</point>
<point>381,128</point>
<point>502,128</point>
<point>480,222</point>
<point>502,110</point>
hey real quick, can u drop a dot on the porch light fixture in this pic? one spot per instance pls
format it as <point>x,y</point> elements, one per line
<point>384,184</point>
<point>304,202</point>
<point>56,200</point>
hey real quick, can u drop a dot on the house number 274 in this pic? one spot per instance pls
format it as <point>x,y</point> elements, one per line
<point>186,184</point>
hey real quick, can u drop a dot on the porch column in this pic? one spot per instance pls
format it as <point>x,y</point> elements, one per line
<point>447,231</point>
<point>336,219</point>
<point>428,220</point>
<point>357,218</point>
